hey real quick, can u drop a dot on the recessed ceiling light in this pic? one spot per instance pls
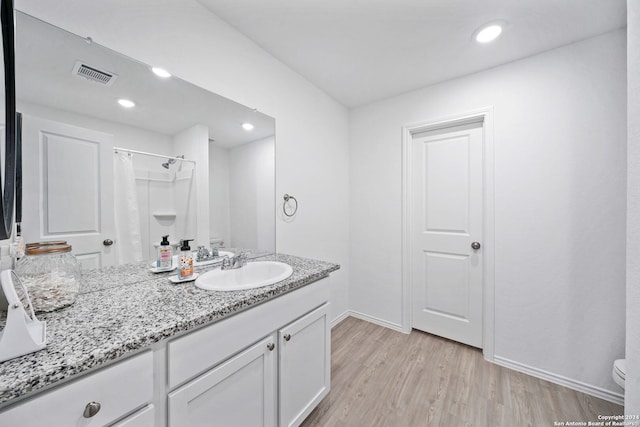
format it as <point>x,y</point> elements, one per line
<point>247,126</point>
<point>126,103</point>
<point>160,72</point>
<point>489,32</point>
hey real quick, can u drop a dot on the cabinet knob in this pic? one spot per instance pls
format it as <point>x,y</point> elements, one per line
<point>91,409</point>
<point>271,346</point>
<point>107,242</point>
<point>475,245</point>
<point>287,337</point>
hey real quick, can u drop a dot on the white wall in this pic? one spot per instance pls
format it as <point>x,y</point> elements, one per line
<point>559,133</point>
<point>194,143</point>
<point>242,190</point>
<point>311,128</point>
<point>252,188</point>
<point>219,221</point>
<point>632,382</point>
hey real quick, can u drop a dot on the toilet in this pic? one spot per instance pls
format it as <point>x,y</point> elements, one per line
<point>619,372</point>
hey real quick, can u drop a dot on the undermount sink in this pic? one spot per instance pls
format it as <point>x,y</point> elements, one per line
<point>252,275</point>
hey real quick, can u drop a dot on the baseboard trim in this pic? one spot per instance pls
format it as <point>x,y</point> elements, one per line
<point>377,321</point>
<point>335,322</point>
<point>589,389</point>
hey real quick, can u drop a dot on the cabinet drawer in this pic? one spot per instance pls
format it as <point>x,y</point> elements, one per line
<point>119,389</point>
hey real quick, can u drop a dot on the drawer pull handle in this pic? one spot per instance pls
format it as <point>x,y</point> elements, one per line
<point>271,346</point>
<point>91,409</point>
<point>287,337</point>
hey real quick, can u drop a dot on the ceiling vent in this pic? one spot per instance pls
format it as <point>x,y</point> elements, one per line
<point>94,74</point>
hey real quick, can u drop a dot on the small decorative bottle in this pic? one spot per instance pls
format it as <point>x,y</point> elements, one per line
<point>185,260</point>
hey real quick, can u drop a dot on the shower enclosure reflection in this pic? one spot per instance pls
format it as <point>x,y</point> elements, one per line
<point>151,199</point>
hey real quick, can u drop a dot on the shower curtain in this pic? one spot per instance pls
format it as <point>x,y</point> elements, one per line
<point>127,217</point>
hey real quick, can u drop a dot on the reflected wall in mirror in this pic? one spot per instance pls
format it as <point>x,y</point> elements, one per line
<point>78,188</point>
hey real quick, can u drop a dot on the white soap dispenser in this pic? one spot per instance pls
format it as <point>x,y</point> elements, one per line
<point>165,255</point>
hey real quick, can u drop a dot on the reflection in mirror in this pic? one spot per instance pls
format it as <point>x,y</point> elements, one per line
<point>3,120</point>
<point>182,165</point>
<point>8,126</point>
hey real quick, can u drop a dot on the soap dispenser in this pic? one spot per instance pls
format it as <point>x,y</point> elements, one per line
<point>185,260</point>
<point>165,255</point>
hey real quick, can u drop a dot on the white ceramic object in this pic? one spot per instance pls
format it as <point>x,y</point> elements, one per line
<point>174,263</point>
<point>175,279</point>
<point>162,270</point>
<point>22,333</point>
<point>252,275</point>
<point>619,374</point>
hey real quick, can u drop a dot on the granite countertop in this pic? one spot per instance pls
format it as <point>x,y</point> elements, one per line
<point>121,310</point>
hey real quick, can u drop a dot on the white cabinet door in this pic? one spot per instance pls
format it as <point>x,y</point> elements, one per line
<point>68,188</point>
<point>239,392</point>
<point>304,365</point>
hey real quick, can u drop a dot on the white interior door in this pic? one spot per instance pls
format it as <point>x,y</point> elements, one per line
<point>68,188</point>
<point>446,200</point>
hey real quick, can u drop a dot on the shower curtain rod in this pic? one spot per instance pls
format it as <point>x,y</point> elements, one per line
<point>127,150</point>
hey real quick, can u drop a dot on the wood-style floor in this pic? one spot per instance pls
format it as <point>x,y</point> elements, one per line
<point>381,377</point>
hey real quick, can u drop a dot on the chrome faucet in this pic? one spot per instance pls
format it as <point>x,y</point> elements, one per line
<point>205,254</point>
<point>234,262</point>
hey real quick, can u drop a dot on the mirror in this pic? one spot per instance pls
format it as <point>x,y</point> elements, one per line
<point>180,153</point>
<point>9,155</point>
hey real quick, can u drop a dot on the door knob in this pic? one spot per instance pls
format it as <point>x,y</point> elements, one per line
<point>475,245</point>
<point>107,242</point>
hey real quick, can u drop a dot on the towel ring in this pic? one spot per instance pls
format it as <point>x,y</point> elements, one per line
<point>286,202</point>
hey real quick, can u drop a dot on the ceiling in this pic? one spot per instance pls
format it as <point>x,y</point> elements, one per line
<point>46,55</point>
<point>359,51</point>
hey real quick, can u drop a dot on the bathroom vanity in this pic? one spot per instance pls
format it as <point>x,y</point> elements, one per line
<point>137,350</point>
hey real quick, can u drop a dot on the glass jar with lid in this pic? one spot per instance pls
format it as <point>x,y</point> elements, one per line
<point>51,275</point>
